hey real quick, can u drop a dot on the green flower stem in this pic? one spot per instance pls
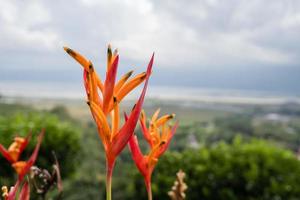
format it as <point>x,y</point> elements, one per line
<point>109,172</point>
<point>148,187</point>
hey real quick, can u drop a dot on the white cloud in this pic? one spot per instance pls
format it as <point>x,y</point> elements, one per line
<point>192,34</point>
<point>25,26</point>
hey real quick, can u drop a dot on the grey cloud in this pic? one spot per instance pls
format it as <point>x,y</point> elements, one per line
<point>192,35</point>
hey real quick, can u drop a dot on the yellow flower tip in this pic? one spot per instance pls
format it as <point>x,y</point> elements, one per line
<point>65,48</point>
<point>4,191</point>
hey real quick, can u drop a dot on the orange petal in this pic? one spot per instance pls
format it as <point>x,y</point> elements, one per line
<point>79,58</point>
<point>130,85</point>
<point>152,156</point>
<point>164,147</point>
<point>86,84</point>
<point>155,136</point>
<point>18,146</point>
<point>101,122</point>
<point>115,119</point>
<point>95,96</point>
<point>121,82</point>
<point>162,120</point>
<point>165,133</point>
<point>19,166</point>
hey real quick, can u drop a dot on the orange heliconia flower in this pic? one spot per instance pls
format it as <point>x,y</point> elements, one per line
<point>158,135</point>
<point>106,105</point>
<point>104,99</point>
<point>14,151</point>
<point>21,167</point>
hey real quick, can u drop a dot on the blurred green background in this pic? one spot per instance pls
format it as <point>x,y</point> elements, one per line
<point>228,151</point>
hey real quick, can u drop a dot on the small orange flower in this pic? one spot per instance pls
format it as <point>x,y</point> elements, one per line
<point>14,151</point>
<point>159,136</point>
<point>22,167</point>
<point>105,106</point>
<point>16,148</point>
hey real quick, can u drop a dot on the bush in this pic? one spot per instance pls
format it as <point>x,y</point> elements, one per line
<point>253,170</point>
<point>61,137</point>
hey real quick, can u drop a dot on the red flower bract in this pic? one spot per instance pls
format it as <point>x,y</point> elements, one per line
<point>159,136</point>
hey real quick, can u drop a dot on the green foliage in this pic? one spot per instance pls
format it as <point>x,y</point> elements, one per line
<point>61,137</point>
<point>254,170</point>
<point>90,173</point>
<point>235,170</point>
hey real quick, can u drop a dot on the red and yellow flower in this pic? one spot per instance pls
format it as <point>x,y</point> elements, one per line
<point>158,135</point>
<point>104,98</point>
<point>22,168</point>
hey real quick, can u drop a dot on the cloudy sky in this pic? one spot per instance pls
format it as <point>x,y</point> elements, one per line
<point>202,43</point>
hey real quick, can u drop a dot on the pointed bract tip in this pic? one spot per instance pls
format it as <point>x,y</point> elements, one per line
<point>171,116</point>
<point>128,74</point>
<point>109,47</point>
<point>115,99</point>
<point>133,107</point>
<point>69,51</point>
<point>91,65</point>
<point>162,143</point>
<point>144,76</point>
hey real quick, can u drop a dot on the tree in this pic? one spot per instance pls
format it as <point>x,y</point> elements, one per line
<point>253,170</point>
